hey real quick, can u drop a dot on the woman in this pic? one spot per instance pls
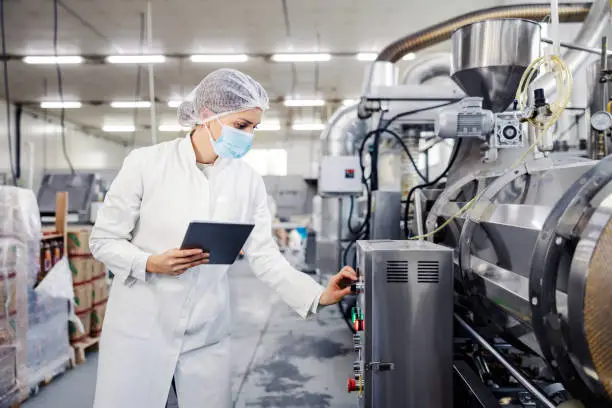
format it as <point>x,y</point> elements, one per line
<point>168,314</point>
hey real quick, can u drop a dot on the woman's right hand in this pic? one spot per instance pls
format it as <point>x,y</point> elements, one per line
<point>176,261</point>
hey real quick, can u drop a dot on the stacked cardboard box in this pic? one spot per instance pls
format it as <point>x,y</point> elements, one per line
<point>90,285</point>
<point>99,298</point>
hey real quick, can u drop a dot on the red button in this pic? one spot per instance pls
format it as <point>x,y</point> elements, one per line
<point>359,325</point>
<point>351,385</point>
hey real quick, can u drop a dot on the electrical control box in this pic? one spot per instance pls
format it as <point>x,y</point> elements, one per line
<point>340,175</point>
<point>404,325</point>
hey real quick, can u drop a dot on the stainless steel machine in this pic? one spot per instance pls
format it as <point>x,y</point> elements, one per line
<point>404,323</point>
<point>529,229</point>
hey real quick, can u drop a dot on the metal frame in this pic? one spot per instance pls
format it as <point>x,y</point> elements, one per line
<point>448,195</point>
<point>556,237</point>
<point>474,215</point>
<point>524,381</point>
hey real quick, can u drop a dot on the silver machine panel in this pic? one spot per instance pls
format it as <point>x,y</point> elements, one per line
<point>387,208</point>
<point>404,322</point>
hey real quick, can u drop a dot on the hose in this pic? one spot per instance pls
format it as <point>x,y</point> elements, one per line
<point>568,13</point>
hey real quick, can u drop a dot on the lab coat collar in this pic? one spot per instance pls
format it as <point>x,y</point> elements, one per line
<point>188,154</point>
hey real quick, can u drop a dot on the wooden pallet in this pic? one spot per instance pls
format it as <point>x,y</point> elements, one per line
<point>46,381</point>
<point>82,346</point>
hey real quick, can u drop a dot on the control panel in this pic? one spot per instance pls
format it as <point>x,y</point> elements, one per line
<point>340,175</point>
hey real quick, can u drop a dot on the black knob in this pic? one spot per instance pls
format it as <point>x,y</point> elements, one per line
<point>582,144</point>
<point>539,98</point>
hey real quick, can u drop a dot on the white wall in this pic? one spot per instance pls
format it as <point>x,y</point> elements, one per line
<point>302,153</point>
<point>87,152</point>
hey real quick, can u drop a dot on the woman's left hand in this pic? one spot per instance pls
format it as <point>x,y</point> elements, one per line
<point>338,287</point>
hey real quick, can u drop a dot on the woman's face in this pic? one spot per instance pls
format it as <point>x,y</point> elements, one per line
<point>245,121</point>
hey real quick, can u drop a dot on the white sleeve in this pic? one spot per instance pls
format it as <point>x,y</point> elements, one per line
<point>297,289</point>
<point>117,218</point>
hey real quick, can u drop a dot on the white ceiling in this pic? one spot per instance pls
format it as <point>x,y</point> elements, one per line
<point>96,27</point>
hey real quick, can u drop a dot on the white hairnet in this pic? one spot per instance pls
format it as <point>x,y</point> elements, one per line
<point>221,92</point>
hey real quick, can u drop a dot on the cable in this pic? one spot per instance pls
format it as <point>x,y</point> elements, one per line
<point>399,139</point>
<point>60,87</point>
<point>138,75</point>
<point>428,184</point>
<point>361,149</point>
<point>7,97</point>
<point>350,217</point>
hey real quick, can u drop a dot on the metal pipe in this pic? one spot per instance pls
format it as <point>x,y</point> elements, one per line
<point>604,69</point>
<point>529,386</point>
<point>340,228</point>
<point>151,74</point>
<point>333,137</point>
<point>418,210</point>
<point>568,12</point>
<point>428,67</point>
<point>603,143</point>
<point>18,112</point>
<point>589,35</point>
<point>31,159</point>
<point>570,46</point>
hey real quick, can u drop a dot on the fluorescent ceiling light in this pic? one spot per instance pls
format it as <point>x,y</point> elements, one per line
<point>60,59</point>
<point>219,58</point>
<point>60,105</point>
<point>367,56</point>
<point>268,126</point>
<point>304,102</point>
<point>174,104</point>
<point>301,57</point>
<point>409,57</point>
<point>130,104</point>
<point>135,59</point>
<point>308,126</point>
<point>173,128</point>
<point>119,128</point>
<point>349,102</point>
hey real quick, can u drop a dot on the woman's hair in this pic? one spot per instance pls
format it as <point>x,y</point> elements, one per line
<point>221,92</point>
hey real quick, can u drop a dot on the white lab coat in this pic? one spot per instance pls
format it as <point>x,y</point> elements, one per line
<point>157,326</point>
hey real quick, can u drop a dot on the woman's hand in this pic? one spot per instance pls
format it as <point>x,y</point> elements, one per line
<point>338,287</point>
<point>176,261</point>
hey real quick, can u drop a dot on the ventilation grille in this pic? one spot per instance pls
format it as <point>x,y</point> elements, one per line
<point>397,271</point>
<point>428,272</point>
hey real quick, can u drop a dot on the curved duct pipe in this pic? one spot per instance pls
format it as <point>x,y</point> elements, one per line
<point>337,138</point>
<point>568,12</point>
<point>430,66</point>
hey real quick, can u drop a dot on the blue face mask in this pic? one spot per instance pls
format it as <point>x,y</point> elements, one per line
<point>233,143</point>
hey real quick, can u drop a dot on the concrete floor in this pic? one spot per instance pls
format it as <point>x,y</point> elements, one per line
<point>279,360</point>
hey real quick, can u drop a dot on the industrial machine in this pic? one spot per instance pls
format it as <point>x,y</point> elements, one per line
<point>523,229</point>
<point>80,188</point>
